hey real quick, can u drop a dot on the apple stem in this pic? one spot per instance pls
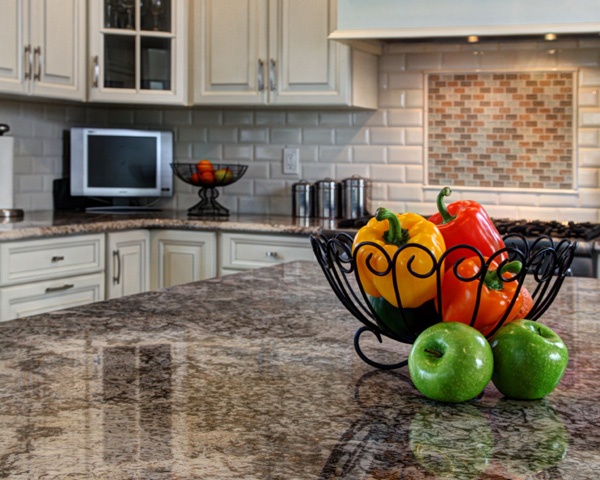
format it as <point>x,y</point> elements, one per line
<point>433,352</point>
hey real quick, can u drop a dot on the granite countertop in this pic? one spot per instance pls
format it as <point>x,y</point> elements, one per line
<point>214,380</point>
<point>49,223</point>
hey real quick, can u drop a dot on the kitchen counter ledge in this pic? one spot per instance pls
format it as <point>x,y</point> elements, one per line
<point>219,380</point>
<point>55,223</point>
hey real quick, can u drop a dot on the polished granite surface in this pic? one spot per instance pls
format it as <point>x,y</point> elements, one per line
<point>254,376</point>
<point>49,223</point>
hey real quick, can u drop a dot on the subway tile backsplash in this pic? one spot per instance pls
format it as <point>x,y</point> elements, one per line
<point>392,145</point>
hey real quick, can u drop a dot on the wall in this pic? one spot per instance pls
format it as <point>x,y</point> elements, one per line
<point>385,145</point>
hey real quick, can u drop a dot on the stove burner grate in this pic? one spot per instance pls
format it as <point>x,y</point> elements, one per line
<point>572,230</point>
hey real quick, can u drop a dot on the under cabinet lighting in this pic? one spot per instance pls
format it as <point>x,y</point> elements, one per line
<point>472,39</point>
<point>550,37</point>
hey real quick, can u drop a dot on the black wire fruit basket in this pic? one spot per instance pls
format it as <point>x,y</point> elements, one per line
<point>544,265</point>
<point>221,175</point>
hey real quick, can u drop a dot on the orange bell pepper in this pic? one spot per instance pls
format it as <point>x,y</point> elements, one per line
<point>459,296</point>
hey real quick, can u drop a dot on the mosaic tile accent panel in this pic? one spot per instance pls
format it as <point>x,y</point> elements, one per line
<point>501,130</point>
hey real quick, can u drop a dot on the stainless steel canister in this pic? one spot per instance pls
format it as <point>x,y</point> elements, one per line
<point>326,198</point>
<point>354,197</point>
<point>302,199</point>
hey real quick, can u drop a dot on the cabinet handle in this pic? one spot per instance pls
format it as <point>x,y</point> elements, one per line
<point>272,79</point>
<point>96,72</point>
<point>261,80</point>
<point>66,286</point>
<point>27,74</point>
<point>117,270</point>
<point>57,258</point>
<point>37,60</point>
<point>272,254</point>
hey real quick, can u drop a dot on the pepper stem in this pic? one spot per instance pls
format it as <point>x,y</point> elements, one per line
<point>493,278</point>
<point>441,206</point>
<point>396,235</point>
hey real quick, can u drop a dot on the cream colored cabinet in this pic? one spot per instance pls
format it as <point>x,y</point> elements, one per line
<point>139,51</point>
<point>180,256</point>
<point>43,275</point>
<point>44,48</point>
<point>276,52</point>
<point>127,263</point>
<point>245,251</point>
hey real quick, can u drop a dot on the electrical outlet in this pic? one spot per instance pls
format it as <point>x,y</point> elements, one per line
<point>291,161</point>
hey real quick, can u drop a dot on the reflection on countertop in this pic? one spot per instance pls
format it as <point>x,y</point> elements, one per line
<point>206,380</point>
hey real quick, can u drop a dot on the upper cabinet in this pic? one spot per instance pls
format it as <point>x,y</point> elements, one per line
<point>139,51</point>
<point>43,48</point>
<point>276,52</point>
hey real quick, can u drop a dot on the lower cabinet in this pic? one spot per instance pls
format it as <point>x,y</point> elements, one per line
<point>127,263</point>
<point>40,297</point>
<point>181,256</point>
<point>245,251</point>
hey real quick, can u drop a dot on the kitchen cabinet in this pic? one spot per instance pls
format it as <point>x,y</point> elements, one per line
<point>43,48</point>
<point>127,263</point>
<point>245,251</point>
<point>276,52</point>
<point>139,51</point>
<point>48,274</point>
<point>180,256</point>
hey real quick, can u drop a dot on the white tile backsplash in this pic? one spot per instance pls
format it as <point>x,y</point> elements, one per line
<point>385,145</point>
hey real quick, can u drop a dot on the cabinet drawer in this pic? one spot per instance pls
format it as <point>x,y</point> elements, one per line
<point>246,251</point>
<point>34,260</point>
<point>40,297</point>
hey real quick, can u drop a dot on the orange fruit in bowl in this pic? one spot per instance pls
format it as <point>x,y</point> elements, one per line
<point>207,177</point>
<point>205,166</point>
<point>195,178</point>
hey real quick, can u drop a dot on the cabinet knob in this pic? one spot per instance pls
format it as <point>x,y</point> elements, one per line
<point>272,254</point>
<point>57,258</point>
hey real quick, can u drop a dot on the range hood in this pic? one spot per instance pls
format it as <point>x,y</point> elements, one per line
<point>366,23</point>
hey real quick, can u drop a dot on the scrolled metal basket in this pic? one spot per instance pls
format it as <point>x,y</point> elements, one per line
<point>545,264</point>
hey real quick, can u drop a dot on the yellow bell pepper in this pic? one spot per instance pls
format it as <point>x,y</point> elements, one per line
<point>385,234</point>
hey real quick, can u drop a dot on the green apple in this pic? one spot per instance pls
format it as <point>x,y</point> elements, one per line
<point>450,362</point>
<point>451,441</point>
<point>529,360</point>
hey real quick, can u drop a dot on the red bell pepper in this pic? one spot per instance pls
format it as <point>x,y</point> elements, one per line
<point>466,222</point>
<point>459,295</point>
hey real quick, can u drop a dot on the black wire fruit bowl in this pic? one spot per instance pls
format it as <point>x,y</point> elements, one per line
<point>208,177</point>
<point>544,265</point>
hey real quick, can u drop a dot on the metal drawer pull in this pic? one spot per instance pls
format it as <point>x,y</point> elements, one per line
<point>66,286</point>
<point>261,83</point>
<point>117,270</point>
<point>37,60</point>
<point>271,254</point>
<point>57,258</point>
<point>272,79</point>
<point>95,72</point>
<point>28,62</point>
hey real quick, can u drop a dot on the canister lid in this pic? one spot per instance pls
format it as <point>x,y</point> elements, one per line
<point>301,186</point>
<point>354,181</point>
<point>325,184</point>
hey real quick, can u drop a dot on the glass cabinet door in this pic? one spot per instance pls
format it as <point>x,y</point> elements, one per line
<point>137,44</point>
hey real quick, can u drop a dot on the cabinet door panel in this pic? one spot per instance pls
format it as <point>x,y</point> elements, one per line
<point>13,40</point>
<point>127,263</point>
<point>182,257</point>
<point>59,48</point>
<point>310,69</point>
<point>230,64</point>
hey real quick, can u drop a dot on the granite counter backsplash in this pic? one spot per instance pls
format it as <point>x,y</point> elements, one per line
<point>254,376</point>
